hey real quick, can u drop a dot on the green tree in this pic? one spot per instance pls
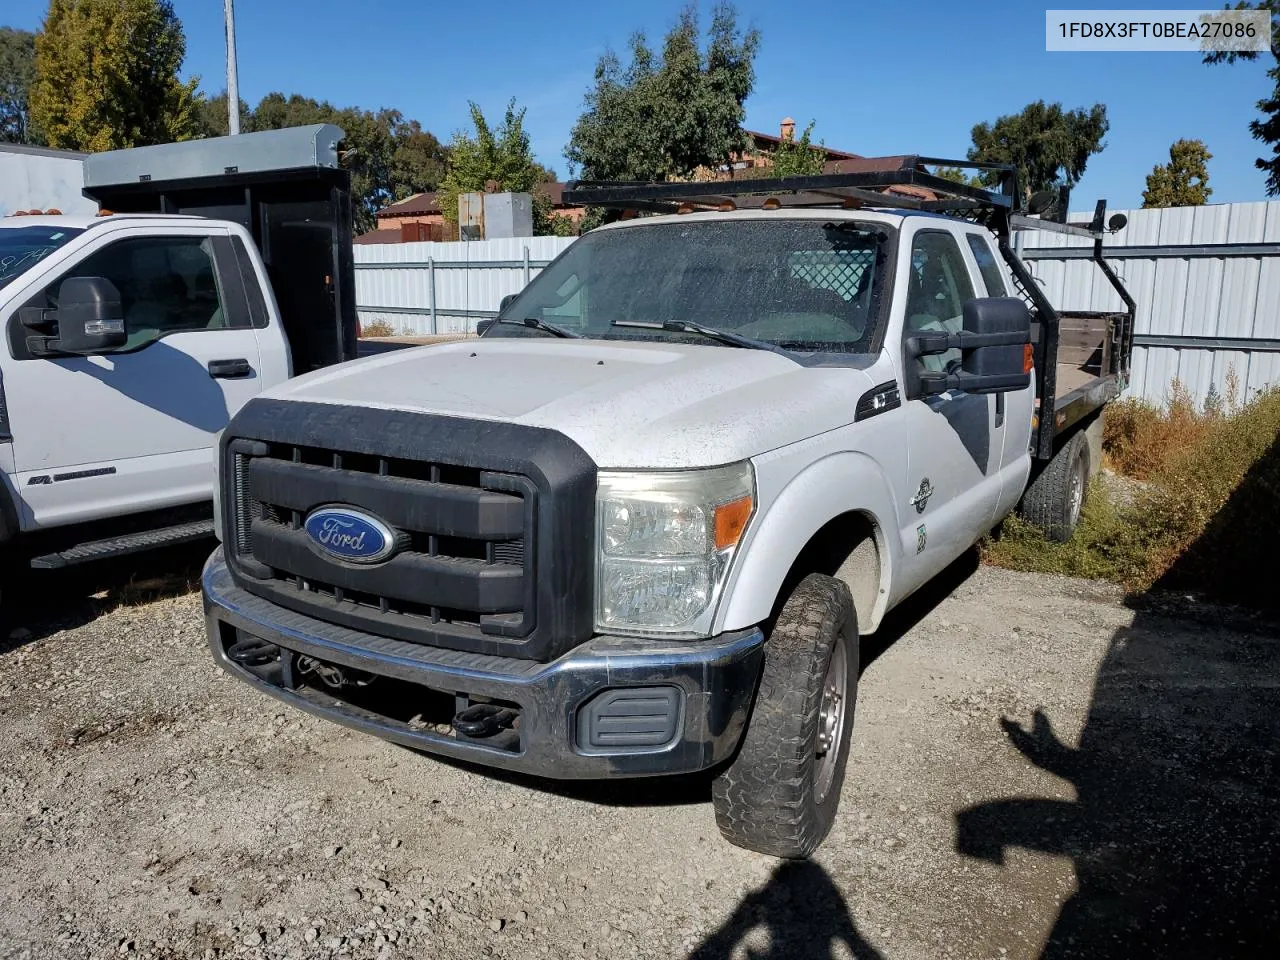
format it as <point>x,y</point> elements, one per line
<point>389,157</point>
<point>1267,128</point>
<point>17,71</point>
<point>798,157</point>
<point>211,116</point>
<point>1049,146</point>
<point>107,75</point>
<point>1183,181</point>
<point>956,175</point>
<point>418,160</point>
<point>502,155</point>
<point>662,117</point>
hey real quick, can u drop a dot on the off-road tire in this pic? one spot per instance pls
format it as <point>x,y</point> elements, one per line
<point>1055,498</point>
<point>766,800</point>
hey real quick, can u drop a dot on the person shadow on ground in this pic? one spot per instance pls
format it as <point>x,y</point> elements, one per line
<point>1174,832</point>
<point>798,915</point>
<point>1175,829</point>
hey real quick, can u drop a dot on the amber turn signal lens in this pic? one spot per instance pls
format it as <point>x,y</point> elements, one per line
<point>731,520</point>
<point>1028,358</point>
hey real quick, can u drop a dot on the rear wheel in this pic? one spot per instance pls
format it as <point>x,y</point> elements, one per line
<point>1054,500</point>
<point>780,794</point>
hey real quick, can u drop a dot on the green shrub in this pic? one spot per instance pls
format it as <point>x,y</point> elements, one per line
<point>1218,504</point>
<point>1140,437</point>
<point>1207,519</point>
<point>1104,547</point>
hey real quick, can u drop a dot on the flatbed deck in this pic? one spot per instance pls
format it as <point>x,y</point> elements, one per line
<point>1072,377</point>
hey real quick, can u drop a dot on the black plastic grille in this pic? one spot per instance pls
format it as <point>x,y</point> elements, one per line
<point>276,489</point>
<point>494,524</point>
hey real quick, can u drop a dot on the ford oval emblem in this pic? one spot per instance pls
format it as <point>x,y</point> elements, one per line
<point>350,535</point>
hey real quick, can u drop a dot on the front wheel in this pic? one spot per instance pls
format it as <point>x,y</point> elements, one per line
<point>780,793</point>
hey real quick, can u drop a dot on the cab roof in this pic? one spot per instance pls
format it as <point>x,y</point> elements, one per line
<point>891,217</point>
<point>83,222</point>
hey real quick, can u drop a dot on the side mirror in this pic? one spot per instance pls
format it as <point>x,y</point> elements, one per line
<point>90,316</point>
<point>995,350</point>
<point>483,326</point>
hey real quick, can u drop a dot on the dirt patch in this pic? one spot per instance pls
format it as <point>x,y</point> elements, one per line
<point>1036,769</point>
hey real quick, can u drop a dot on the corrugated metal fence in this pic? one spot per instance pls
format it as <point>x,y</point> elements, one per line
<point>1206,279</point>
<point>1207,283</point>
<point>428,288</point>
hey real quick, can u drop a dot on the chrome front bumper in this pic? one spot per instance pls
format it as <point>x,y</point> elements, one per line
<point>598,711</point>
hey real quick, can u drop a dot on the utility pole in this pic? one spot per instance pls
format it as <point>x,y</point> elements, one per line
<point>233,85</point>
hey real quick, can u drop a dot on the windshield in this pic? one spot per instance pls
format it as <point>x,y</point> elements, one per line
<point>23,247</point>
<point>802,285</point>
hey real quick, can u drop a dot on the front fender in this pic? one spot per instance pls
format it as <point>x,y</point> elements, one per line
<point>792,510</point>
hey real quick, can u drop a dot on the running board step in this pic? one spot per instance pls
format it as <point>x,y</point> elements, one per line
<point>121,546</point>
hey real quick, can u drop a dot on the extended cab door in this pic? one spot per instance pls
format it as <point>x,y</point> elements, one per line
<point>1014,409</point>
<point>130,429</point>
<point>952,485</point>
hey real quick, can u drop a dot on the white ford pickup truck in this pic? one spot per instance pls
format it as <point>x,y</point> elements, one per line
<point>130,339</point>
<point>639,526</point>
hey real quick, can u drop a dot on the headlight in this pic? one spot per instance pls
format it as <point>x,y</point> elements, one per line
<point>664,542</point>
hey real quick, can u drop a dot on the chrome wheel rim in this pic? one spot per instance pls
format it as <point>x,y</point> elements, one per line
<point>831,720</point>
<point>1075,492</point>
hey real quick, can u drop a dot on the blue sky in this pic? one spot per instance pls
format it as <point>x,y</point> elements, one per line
<point>877,78</point>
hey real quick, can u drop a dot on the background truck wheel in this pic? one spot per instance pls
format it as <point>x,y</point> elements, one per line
<point>780,793</point>
<point>1055,498</point>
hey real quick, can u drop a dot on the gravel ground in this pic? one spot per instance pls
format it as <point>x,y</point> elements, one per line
<point>1037,770</point>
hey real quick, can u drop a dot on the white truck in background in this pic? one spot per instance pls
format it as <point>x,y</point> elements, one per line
<point>130,339</point>
<point>41,178</point>
<point>640,525</point>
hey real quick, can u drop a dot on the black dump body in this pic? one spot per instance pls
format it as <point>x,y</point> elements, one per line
<point>287,188</point>
<point>1082,357</point>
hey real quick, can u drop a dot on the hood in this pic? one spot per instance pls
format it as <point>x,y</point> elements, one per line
<point>627,404</point>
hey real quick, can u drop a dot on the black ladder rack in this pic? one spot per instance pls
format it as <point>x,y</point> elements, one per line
<point>861,187</point>
<point>1001,208</point>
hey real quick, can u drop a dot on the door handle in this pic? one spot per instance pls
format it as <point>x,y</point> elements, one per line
<point>230,368</point>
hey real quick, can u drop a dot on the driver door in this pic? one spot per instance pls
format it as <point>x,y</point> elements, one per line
<point>952,486</point>
<point>131,429</point>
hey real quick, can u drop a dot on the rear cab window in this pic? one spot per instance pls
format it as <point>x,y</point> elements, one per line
<point>992,278</point>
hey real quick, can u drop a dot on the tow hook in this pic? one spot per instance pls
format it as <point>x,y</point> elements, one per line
<point>333,676</point>
<point>253,652</point>
<point>484,720</point>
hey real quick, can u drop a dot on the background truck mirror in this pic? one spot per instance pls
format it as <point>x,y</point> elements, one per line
<point>509,298</point>
<point>482,326</point>
<point>90,316</point>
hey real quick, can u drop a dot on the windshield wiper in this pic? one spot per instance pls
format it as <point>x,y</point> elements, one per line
<point>711,333</point>
<point>537,324</point>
